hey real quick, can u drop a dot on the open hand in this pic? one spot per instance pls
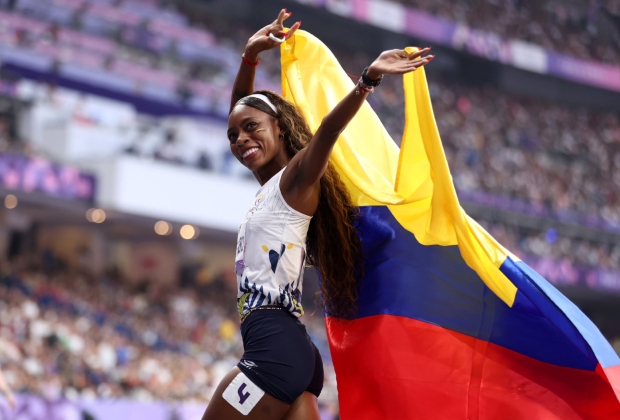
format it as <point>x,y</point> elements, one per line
<point>261,41</point>
<point>398,62</point>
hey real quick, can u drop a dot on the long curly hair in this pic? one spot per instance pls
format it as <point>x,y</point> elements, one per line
<point>332,245</point>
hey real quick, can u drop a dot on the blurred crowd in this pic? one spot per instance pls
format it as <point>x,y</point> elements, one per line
<point>157,50</point>
<point>586,29</point>
<point>68,333</point>
<point>174,52</point>
<point>530,245</point>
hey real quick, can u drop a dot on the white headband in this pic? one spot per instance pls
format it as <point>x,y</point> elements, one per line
<point>262,98</point>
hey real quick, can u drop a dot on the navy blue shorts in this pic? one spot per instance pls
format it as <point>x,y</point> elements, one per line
<point>279,356</point>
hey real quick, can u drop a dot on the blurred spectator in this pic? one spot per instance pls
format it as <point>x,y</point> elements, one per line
<point>169,150</point>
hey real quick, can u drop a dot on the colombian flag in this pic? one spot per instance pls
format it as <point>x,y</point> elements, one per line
<point>451,325</point>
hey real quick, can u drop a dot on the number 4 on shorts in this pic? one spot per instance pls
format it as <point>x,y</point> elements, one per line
<point>243,394</point>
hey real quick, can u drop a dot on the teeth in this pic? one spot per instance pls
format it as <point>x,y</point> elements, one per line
<point>249,152</point>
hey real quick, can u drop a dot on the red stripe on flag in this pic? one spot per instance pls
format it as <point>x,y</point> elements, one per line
<point>613,374</point>
<point>395,367</point>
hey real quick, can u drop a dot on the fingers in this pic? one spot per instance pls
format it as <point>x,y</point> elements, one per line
<point>282,16</point>
<point>424,61</point>
<point>293,29</point>
<point>427,59</point>
<point>399,62</point>
<point>408,66</point>
<point>277,28</point>
<point>417,59</point>
<point>418,53</point>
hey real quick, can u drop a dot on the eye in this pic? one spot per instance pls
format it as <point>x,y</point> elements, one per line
<point>232,137</point>
<point>251,125</point>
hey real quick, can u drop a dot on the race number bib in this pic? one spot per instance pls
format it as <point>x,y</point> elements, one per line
<point>243,394</point>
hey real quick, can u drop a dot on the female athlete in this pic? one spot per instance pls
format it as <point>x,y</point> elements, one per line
<point>302,214</point>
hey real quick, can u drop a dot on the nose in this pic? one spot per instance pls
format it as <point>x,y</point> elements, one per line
<point>241,139</point>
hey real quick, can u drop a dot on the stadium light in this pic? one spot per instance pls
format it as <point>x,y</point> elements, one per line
<point>189,232</point>
<point>163,228</point>
<point>95,215</point>
<point>10,201</point>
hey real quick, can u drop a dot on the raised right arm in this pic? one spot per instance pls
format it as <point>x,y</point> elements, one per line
<point>244,82</point>
<point>260,41</point>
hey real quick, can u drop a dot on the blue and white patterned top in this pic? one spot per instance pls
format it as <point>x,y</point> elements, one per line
<point>271,252</point>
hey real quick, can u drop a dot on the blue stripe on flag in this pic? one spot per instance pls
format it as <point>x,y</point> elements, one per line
<point>576,324</point>
<point>434,284</point>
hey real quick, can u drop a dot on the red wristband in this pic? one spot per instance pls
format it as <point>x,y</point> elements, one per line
<point>248,62</point>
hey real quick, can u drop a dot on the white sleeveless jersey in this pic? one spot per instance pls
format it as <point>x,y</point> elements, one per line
<point>271,252</point>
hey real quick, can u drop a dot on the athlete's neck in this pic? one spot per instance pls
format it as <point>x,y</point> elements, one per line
<point>267,172</point>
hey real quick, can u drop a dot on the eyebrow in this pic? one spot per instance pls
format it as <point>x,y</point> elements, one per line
<point>242,122</point>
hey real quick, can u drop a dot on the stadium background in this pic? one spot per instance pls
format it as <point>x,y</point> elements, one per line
<point>121,200</point>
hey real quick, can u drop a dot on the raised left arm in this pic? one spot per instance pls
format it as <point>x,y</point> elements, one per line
<point>301,180</point>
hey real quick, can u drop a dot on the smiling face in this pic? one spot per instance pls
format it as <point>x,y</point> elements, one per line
<point>256,141</point>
